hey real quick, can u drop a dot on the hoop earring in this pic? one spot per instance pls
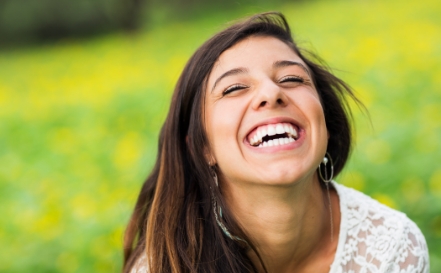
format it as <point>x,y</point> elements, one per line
<point>218,212</point>
<point>325,162</point>
<point>327,180</point>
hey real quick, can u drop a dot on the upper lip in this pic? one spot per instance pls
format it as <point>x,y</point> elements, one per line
<point>274,120</point>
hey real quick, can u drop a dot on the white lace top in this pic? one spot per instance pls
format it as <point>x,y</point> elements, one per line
<point>373,239</point>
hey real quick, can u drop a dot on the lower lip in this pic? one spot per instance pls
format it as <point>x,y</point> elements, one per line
<point>284,147</point>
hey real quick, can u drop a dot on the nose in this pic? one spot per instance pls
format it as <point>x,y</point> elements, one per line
<point>269,95</point>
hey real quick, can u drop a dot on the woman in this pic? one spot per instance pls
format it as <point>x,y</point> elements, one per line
<point>243,180</point>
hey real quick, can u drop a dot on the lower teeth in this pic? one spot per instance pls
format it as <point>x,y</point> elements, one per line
<point>276,142</point>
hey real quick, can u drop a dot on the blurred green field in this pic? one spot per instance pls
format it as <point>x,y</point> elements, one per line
<point>79,121</point>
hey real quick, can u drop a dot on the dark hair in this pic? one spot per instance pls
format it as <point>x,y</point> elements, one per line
<point>173,220</point>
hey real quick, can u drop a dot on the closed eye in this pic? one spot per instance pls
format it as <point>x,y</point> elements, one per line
<point>292,79</point>
<point>233,88</point>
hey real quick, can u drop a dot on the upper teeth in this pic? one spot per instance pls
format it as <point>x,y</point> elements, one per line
<point>256,137</point>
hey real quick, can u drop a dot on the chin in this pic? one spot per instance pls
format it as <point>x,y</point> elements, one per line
<point>283,177</point>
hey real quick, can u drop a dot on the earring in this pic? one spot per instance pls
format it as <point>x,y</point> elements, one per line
<point>218,216</point>
<point>325,162</point>
<point>327,180</point>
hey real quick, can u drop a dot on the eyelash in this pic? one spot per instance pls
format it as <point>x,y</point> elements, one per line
<point>236,87</point>
<point>233,88</point>
<point>292,79</point>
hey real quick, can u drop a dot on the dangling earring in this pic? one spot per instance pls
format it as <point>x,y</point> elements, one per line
<point>217,209</point>
<point>327,180</point>
<point>325,162</point>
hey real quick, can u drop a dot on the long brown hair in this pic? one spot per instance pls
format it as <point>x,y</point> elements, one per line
<point>173,221</point>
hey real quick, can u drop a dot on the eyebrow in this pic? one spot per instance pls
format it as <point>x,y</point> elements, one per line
<point>276,64</point>
<point>285,63</point>
<point>235,71</point>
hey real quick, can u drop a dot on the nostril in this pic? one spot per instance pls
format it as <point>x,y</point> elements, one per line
<point>263,103</point>
<point>280,101</point>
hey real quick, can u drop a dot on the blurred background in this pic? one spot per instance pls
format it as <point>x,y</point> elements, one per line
<point>85,86</point>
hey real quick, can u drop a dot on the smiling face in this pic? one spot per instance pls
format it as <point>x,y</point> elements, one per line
<point>263,116</point>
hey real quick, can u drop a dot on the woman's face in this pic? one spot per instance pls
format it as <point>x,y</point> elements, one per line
<point>263,116</point>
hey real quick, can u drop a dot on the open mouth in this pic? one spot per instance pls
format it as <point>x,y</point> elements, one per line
<point>273,135</point>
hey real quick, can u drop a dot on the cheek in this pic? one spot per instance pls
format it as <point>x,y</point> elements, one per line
<point>312,108</point>
<point>319,117</point>
<point>309,103</point>
<point>316,108</point>
<point>222,125</point>
<point>323,133</point>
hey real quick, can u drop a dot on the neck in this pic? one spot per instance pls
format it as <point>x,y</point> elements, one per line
<point>290,226</point>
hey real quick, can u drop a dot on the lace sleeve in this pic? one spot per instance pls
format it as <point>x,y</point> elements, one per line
<point>412,253</point>
<point>376,238</point>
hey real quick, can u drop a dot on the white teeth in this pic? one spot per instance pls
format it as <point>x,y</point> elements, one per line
<point>255,139</point>
<point>280,129</point>
<point>293,132</point>
<point>271,130</point>
<point>263,131</point>
<point>259,134</point>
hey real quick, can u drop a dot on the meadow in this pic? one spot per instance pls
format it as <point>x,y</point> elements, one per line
<point>79,121</point>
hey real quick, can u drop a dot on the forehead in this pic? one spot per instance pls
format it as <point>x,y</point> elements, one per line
<point>252,52</point>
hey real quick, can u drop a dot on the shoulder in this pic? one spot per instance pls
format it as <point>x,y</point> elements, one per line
<point>375,236</point>
<point>360,207</point>
<point>361,211</point>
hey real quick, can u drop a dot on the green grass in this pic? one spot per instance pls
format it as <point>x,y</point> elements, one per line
<point>79,123</point>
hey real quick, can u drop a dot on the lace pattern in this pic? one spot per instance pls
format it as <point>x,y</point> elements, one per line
<point>373,239</point>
